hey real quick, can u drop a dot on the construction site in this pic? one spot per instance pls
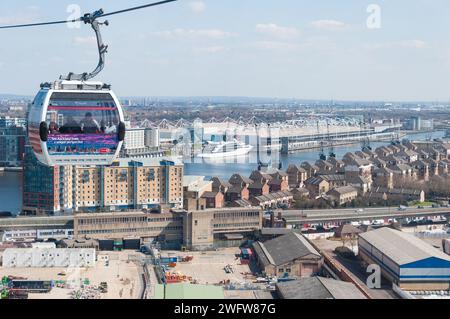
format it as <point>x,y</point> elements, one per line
<point>225,268</point>
<point>112,277</point>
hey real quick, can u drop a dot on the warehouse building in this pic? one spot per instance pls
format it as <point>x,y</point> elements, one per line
<point>405,260</point>
<point>48,257</point>
<point>318,288</point>
<point>290,255</point>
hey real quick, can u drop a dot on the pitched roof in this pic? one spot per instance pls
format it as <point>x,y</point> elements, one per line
<point>284,249</point>
<point>333,177</point>
<point>314,180</point>
<point>243,203</point>
<point>238,178</point>
<point>210,194</point>
<point>402,167</point>
<point>273,196</point>
<point>235,189</point>
<point>347,229</point>
<point>318,288</point>
<point>343,190</point>
<point>221,182</point>
<point>292,168</point>
<point>358,180</point>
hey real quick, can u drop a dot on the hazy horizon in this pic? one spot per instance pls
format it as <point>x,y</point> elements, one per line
<point>268,98</point>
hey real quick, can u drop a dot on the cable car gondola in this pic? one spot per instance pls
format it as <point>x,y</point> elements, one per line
<point>76,123</point>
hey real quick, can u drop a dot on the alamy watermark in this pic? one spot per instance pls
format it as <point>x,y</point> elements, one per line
<point>374,19</point>
<point>374,279</point>
<point>74,11</point>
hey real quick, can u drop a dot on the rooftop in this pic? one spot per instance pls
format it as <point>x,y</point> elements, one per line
<point>343,190</point>
<point>284,249</point>
<point>147,161</point>
<point>407,248</point>
<point>318,288</point>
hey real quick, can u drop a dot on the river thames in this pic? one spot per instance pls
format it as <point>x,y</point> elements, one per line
<point>11,182</point>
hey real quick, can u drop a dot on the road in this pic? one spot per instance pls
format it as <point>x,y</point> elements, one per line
<point>293,217</point>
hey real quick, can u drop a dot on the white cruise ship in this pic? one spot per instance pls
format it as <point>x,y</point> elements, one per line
<point>225,149</point>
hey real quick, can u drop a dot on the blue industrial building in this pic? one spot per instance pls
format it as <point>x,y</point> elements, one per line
<point>406,260</point>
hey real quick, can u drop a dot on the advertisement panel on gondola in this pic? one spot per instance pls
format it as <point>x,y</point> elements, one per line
<point>82,144</point>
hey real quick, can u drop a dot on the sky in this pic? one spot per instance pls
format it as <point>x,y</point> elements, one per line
<point>392,50</point>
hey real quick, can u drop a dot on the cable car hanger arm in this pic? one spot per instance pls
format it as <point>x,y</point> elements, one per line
<point>102,48</point>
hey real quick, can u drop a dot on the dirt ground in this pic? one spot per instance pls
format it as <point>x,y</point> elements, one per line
<point>122,277</point>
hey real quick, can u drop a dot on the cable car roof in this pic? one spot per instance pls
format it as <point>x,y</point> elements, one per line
<point>76,85</point>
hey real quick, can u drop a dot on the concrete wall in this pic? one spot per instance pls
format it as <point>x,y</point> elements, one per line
<point>199,227</point>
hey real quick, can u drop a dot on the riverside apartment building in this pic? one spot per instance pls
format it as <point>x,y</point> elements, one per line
<point>127,184</point>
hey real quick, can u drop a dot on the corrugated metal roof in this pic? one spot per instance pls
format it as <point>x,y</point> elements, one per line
<point>318,288</point>
<point>400,247</point>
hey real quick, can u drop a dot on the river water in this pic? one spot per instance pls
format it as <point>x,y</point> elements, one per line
<point>10,191</point>
<point>11,182</point>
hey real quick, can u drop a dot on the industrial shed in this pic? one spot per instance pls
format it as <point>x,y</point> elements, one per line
<point>318,288</point>
<point>405,259</point>
<point>290,255</point>
<point>48,257</point>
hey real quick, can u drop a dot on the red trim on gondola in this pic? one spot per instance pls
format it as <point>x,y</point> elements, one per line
<point>82,108</point>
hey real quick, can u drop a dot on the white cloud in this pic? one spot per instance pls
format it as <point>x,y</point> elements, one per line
<point>197,6</point>
<point>318,44</point>
<point>275,30</point>
<point>84,40</point>
<point>416,44</point>
<point>412,44</point>
<point>194,34</point>
<point>329,25</point>
<point>16,20</point>
<point>211,50</point>
<point>277,45</point>
<point>29,15</point>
